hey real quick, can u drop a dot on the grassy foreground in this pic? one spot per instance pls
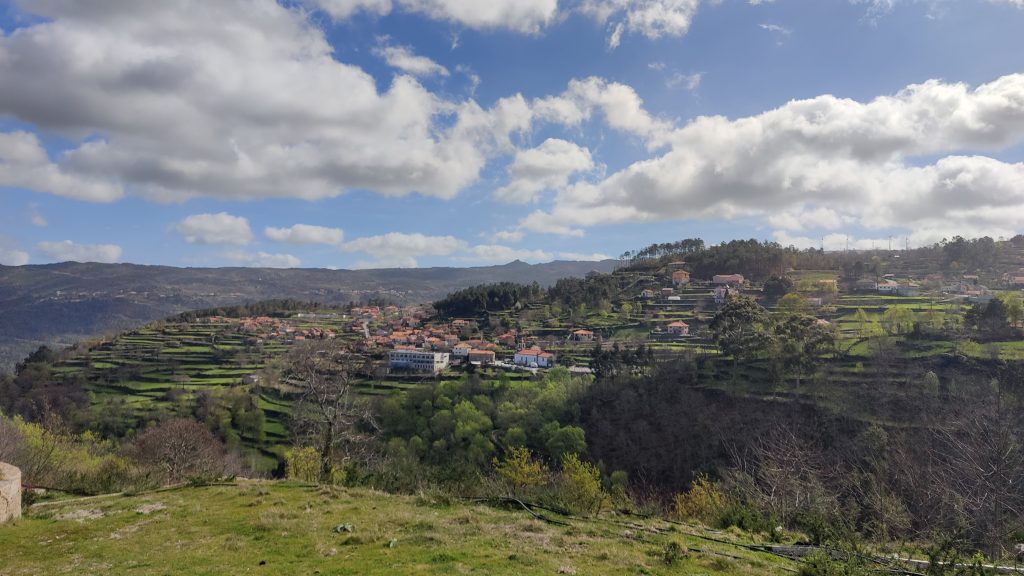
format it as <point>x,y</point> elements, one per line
<point>285,528</point>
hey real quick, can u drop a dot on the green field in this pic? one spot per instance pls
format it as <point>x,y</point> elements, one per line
<point>286,528</point>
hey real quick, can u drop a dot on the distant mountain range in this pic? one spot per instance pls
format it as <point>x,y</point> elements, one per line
<point>59,304</point>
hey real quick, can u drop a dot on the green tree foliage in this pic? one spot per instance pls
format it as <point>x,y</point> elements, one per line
<point>777,286</point>
<point>476,301</point>
<point>742,328</point>
<point>579,486</point>
<point>521,471</point>
<point>458,426</point>
<point>898,320</point>
<point>791,303</point>
<point>302,464</point>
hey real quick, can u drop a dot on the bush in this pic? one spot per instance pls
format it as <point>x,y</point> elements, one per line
<point>578,486</point>
<point>521,471</point>
<point>303,464</point>
<point>704,501</point>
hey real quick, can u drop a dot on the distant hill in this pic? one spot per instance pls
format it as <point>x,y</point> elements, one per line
<point>59,304</point>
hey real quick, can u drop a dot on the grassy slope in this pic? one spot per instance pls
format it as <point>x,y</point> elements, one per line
<point>289,529</point>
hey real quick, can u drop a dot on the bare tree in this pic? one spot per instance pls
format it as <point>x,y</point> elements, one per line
<point>329,413</point>
<point>980,469</point>
<point>181,448</point>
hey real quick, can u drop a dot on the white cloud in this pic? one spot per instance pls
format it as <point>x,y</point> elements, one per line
<point>38,221</point>
<point>497,254</point>
<point>595,257</point>
<point>801,218</point>
<point>528,16</point>
<point>306,234</point>
<point>688,81</point>
<point>620,105</point>
<point>166,102</point>
<point>852,158</point>
<point>69,251</point>
<point>404,59</point>
<point>220,228</point>
<point>342,9</point>
<point>509,235</point>
<point>400,250</point>
<point>263,259</point>
<point>651,18</point>
<point>25,164</point>
<point>13,257</point>
<point>548,166</point>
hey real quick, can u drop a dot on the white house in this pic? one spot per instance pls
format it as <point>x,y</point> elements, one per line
<point>534,357</point>
<point>679,328</point>
<point>417,360</point>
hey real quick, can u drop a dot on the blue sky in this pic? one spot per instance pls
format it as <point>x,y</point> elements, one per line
<point>360,133</point>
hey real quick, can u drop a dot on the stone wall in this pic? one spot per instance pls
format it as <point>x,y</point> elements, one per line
<point>10,493</point>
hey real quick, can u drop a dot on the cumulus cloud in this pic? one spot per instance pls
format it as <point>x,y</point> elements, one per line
<point>25,164</point>
<point>403,58</point>
<point>853,158</point>
<point>219,228</point>
<point>528,16</point>
<point>166,102</point>
<point>306,234</point>
<point>548,166</point>
<point>400,250</point>
<point>620,105</point>
<point>263,259</point>
<point>69,251</point>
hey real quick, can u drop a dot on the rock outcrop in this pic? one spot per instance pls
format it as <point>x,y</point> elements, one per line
<point>10,493</point>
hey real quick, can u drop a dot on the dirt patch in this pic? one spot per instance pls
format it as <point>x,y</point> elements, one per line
<point>150,508</point>
<point>80,515</point>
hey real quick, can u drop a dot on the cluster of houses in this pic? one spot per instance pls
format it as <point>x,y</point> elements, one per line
<point>260,329</point>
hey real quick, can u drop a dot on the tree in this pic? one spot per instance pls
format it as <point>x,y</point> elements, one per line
<point>777,287</point>
<point>328,413</point>
<point>741,328</point>
<point>1014,304</point>
<point>801,340</point>
<point>181,448</point>
<point>862,319</point>
<point>792,303</point>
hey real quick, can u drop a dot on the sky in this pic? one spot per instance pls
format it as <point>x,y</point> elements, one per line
<point>405,133</point>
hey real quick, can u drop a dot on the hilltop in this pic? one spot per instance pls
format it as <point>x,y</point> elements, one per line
<point>288,528</point>
<point>59,304</point>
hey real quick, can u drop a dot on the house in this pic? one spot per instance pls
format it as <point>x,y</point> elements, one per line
<point>582,336</point>
<point>722,293</point>
<point>680,277</point>
<point>507,339</point>
<point>666,292</point>
<point>647,293</point>
<point>534,358</point>
<point>675,298</point>
<point>679,328</point>
<point>483,357</point>
<point>865,285</point>
<point>461,350</point>
<point>417,360</point>
<point>909,289</point>
<point>888,287</point>
<point>727,279</point>
<point>677,265</point>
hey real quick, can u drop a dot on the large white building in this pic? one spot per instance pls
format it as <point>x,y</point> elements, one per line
<point>534,358</point>
<point>418,360</point>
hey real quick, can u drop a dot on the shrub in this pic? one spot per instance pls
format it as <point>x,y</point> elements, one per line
<point>303,464</point>
<point>704,501</point>
<point>578,486</point>
<point>521,471</point>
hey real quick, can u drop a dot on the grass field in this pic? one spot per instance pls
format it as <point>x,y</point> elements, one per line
<point>284,528</point>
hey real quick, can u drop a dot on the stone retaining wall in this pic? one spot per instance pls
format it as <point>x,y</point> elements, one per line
<point>10,493</point>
